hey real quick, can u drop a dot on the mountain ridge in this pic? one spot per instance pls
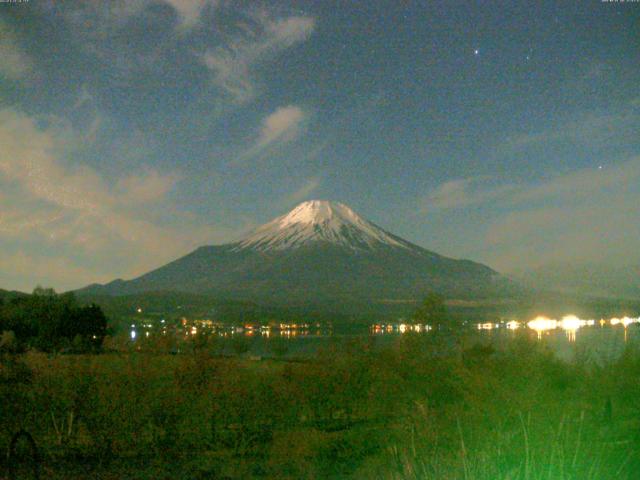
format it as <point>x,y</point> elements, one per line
<point>318,252</point>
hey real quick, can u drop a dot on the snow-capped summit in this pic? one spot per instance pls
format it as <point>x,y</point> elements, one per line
<point>319,211</point>
<point>321,256</point>
<point>320,221</point>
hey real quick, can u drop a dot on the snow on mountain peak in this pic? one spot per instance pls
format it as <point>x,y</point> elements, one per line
<point>317,212</point>
<point>319,220</point>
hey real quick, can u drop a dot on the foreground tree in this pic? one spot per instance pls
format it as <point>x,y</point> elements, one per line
<point>49,321</point>
<point>8,341</point>
<point>432,311</point>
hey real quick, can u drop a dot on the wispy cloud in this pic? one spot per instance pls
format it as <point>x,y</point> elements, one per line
<point>74,212</point>
<point>463,192</point>
<point>282,125</point>
<point>116,14</point>
<point>593,129</point>
<point>278,128</point>
<point>106,30</point>
<point>586,182</point>
<point>15,64</point>
<point>230,54</point>
<point>587,215</point>
<point>189,11</point>
<point>147,187</point>
<point>24,270</point>
<point>263,37</point>
<point>302,193</point>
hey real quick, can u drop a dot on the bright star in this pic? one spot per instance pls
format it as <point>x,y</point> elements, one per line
<point>476,51</point>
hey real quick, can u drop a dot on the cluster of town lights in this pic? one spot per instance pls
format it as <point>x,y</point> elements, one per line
<point>541,324</point>
<point>400,327</point>
<point>194,327</point>
<point>569,323</point>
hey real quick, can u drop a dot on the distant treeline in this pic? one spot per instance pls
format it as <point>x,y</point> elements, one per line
<point>48,321</point>
<point>172,306</point>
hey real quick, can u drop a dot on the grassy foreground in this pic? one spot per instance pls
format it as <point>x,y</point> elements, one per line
<point>415,410</point>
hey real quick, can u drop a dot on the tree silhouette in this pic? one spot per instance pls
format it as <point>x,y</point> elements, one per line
<point>432,311</point>
<point>49,321</point>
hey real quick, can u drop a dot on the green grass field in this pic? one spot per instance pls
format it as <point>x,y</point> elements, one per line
<point>415,410</point>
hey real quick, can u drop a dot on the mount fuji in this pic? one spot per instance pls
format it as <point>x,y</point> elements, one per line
<point>319,252</point>
<point>319,221</point>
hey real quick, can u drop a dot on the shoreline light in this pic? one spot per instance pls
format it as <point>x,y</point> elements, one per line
<point>485,326</point>
<point>571,322</point>
<point>542,323</point>
<point>624,321</point>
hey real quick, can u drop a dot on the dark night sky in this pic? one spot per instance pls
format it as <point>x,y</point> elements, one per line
<point>131,132</point>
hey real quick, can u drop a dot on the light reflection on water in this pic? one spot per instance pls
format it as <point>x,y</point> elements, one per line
<point>566,338</point>
<point>569,324</point>
<point>564,335</point>
<point>570,335</point>
<point>542,325</point>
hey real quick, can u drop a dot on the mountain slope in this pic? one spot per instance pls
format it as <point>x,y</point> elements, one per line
<point>6,295</point>
<point>319,252</point>
<point>594,279</point>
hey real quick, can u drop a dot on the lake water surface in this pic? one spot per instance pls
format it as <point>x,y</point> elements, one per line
<point>568,338</point>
